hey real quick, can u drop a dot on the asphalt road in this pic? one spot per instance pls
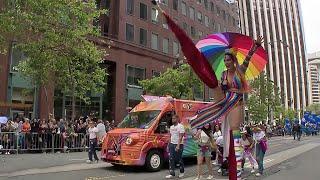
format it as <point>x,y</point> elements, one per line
<point>72,167</point>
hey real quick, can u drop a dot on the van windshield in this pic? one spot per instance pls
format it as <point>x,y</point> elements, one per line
<point>140,119</point>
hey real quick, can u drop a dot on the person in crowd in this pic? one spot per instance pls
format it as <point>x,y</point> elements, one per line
<point>295,131</point>
<point>216,133</point>
<point>107,124</point>
<point>261,147</point>
<point>81,130</point>
<point>219,143</point>
<point>26,129</point>
<point>102,130</point>
<point>205,141</point>
<point>42,134</point>
<point>93,132</point>
<point>247,143</point>
<point>176,147</point>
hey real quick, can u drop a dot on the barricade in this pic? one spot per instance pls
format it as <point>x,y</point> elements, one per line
<point>13,142</point>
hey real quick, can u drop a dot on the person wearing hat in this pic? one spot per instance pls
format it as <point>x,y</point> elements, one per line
<point>261,146</point>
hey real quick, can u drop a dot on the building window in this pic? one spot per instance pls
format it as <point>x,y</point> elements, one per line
<point>218,11</point>
<point>191,11</point>
<point>143,37</point>
<point>199,1</point>
<point>206,4</point>
<point>165,2</point>
<point>154,41</point>
<point>213,25</point>
<point>206,21</point>
<point>134,75</point>
<point>165,24</point>
<point>129,32</point>
<point>154,15</point>
<point>199,16</point>
<point>218,27</point>
<point>184,8</point>
<point>143,11</point>
<point>193,31</point>
<point>155,73</point>
<point>185,27</point>
<point>165,45</point>
<point>175,4</point>
<point>176,49</point>
<point>212,6</point>
<point>200,33</point>
<point>130,6</point>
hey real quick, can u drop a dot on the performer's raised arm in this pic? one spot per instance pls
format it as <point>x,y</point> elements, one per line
<point>253,49</point>
<point>195,58</point>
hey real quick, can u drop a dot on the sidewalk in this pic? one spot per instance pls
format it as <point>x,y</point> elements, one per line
<point>273,159</point>
<point>31,161</point>
<point>304,166</point>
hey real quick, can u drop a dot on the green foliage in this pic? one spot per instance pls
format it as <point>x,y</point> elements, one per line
<point>179,83</point>
<point>265,98</point>
<point>314,108</point>
<point>290,114</point>
<point>54,36</point>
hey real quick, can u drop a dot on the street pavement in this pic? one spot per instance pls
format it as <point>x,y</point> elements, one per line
<point>71,166</point>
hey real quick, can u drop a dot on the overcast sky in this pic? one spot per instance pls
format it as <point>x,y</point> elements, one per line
<point>311,21</point>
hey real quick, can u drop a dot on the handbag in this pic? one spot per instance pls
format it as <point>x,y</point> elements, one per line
<point>263,145</point>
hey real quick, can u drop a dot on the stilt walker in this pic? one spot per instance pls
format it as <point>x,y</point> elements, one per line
<point>234,58</point>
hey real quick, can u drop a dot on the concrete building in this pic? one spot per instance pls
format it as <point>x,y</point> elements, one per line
<point>314,75</point>
<point>280,23</point>
<point>142,46</point>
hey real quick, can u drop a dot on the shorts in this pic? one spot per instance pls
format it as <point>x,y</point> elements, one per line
<point>204,151</point>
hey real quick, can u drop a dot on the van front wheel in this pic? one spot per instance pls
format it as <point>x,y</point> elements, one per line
<point>154,160</point>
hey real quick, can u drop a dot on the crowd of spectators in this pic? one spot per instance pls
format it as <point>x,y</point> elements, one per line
<point>58,134</point>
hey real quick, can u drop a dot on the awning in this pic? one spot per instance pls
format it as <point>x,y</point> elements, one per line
<point>15,105</point>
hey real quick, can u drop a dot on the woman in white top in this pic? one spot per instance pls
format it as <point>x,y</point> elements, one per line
<point>217,132</point>
<point>205,140</point>
<point>261,147</point>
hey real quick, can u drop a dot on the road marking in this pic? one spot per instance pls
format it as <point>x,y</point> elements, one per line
<point>105,177</point>
<point>55,169</point>
<point>82,159</point>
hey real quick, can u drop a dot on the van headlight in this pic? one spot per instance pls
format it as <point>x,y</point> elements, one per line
<point>129,141</point>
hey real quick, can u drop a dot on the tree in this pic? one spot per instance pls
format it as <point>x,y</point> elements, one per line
<point>179,83</point>
<point>314,108</point>
<point>264,99</point>
<point>57,39</point>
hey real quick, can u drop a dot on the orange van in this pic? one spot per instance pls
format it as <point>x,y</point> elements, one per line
<point>141,139</point>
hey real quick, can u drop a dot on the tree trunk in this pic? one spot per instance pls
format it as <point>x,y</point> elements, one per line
<point>73,114</point>
<point>46,94</point>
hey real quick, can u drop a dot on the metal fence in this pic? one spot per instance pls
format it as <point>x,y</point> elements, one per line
<point>31,142</point>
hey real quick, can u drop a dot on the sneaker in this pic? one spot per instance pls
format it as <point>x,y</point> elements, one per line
<point>181,175</point>
<point>96,161</point>
<point>88,161</point>
<point>258,174</point>
<point>197,178</point>
<point>219,170</point>
<point>210,177</point>
<point>252,171</point>
<point>169,176</point>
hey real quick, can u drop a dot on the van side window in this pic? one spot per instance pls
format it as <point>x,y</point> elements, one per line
<point>166,120</point>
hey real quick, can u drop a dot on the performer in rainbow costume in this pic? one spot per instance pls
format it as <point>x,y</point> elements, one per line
<point>228,92</point>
